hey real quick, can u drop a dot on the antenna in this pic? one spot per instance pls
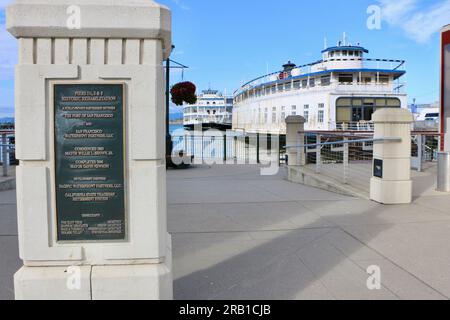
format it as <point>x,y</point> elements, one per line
<point>344,38</point>
<point>325,44</point>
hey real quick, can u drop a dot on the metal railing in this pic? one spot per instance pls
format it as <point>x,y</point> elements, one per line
<point>381,64</point>
<point>424,148</point>
<point>6,150</point>
<point>347,157</point>
<point>231,147</point>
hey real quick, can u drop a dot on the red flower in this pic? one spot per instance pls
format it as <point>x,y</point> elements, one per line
<point>184,92</point>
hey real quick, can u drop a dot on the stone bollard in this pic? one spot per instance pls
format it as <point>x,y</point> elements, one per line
<point>391,180</point>
<point>90,116</point>
<point>295,127</point>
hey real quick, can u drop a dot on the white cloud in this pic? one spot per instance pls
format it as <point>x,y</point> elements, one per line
<point>180,4</point>
<point>417,18</point>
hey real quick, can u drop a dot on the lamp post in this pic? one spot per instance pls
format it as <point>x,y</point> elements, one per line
<point>168,135</point>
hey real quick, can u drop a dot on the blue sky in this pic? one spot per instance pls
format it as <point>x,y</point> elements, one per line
<point>227,42</point>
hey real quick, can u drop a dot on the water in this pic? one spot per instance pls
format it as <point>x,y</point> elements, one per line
<point>174,127</point>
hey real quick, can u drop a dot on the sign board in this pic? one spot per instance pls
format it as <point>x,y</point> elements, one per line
<point>445,88</point>
<point>378,168</point>
<point>89,161</point>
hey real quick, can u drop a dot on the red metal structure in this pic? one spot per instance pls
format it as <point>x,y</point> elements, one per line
<point>445,84</point>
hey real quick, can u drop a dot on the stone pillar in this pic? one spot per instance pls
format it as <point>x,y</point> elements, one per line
<point>90,127</point>
<point>391,181</point>
<point>295,127</point>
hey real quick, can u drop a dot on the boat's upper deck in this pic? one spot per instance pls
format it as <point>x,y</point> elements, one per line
<point>340,65</point>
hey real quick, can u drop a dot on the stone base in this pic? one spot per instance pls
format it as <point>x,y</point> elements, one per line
<point>122,282</point>
<point>391,192</point>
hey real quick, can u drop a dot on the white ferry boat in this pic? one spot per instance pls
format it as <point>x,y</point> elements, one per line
<point>212,110</point>
<point>339,92</point>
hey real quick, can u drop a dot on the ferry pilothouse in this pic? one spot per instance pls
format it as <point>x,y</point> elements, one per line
<point>339,92</point>
<point>212,110</point>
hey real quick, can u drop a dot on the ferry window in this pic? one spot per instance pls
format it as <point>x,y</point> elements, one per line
<point>345,78</point>
<point>350,53</point>
<point>288,86</point>
<point>306,115</point>
<point>344,53</point>
<point>392,102</point>
<point>321,116</point>
<point>332,54</point>
<point>343,102</point>
<point>280,87</point>
<point>367,79</point>
<point>274,89</point>
<point>325,80</point>
<point>304,83</point>
<point>384,79</point>
<point>343,114</point>
<point>296,84</point>
<point>267,90</point>
<point>369,102</point>
<point>312,82</point>
<point>380,102</point>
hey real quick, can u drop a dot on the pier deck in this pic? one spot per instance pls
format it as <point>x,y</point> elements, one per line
<point>240,235</point>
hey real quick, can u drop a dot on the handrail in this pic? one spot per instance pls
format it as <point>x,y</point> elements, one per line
<point>391,139</point>
<point>401,63</point>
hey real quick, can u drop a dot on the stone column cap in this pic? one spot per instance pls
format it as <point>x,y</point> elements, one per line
<point>295,119</point>
<point>130,19</point>
<point>392,115</point>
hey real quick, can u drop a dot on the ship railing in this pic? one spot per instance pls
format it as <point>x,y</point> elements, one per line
<point>347,157</point>
<point>368,63</point>
<point>7,150</point>
<point>351,126</point>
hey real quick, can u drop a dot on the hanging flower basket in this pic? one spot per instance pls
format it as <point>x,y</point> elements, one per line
<point>184,92</point>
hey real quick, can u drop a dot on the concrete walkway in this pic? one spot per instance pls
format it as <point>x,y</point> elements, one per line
<point>240,235</point>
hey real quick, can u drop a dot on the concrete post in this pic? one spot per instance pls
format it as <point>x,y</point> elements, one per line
<point>391,181</point>
<point>90,112</point>
<point>295,127</point>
